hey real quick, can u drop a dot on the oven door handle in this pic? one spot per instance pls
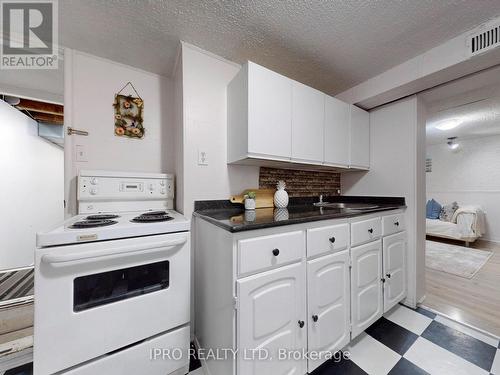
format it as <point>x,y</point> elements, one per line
<point>94,255</point>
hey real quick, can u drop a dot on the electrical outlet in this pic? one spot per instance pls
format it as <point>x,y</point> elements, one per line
<point>202,157</point>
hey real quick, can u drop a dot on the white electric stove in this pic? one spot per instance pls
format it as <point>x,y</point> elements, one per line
<point>113,225</point>
<point>112,284</point>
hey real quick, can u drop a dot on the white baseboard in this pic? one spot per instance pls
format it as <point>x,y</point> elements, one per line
<point>489,240</point>
<point>410,302</point>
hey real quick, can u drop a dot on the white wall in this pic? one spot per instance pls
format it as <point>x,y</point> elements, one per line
<point>179,132</point>
<point>469,176</point>
<point>205,77</point>
<point>32,188</point>
<point>201,123</point>
<point>92,83</point>
<point>397,133</point>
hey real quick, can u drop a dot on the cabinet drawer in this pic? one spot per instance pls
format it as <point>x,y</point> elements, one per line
<point>332,238</point>
<point>393,224</point>
<point>260,253</point>
<point>365,231</point>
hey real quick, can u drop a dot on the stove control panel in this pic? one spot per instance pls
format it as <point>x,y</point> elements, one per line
<point>92,188</point>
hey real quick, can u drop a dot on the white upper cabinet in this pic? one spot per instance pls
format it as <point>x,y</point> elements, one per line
<point>360,138</point>
<point>259,115</point>
<point>337,132</point>
<point>272,120</point>
<point>308,119</point>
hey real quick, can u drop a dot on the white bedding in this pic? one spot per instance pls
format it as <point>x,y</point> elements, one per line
<point>467,225</point>
<point>436,227</point>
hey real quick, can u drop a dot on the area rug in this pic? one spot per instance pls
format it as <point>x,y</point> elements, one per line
<point>456,260</point>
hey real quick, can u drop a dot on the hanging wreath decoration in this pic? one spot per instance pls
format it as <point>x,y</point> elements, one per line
<point>129,114</point>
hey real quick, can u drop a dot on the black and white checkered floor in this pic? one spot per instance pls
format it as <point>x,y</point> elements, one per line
<point>410,341</point>
<point>407,342</point>
<point>416,342</point>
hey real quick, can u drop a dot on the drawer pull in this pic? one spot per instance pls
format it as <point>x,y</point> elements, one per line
<point>370,230</point>
<point>301,323</point>
<point>396,223</point>
<point>332,239</point>
<point>276,252</point>
<point>315,318</point>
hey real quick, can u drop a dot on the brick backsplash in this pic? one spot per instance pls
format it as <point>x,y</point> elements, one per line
<point>301,183</point>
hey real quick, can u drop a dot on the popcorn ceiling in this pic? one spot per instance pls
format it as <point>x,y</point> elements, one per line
<point>329,45</point>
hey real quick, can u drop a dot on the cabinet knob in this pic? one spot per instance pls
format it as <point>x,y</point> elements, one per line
<point>388,275</point>
<point>301,323</point>
<point>276,252</point>
<point>383,280</point>
<point>396,223</point>
<point>370,230</point>
<point>331,239</point>
<point>315,318</point>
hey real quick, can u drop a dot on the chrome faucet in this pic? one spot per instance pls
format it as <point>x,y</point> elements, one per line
<point>321,201</point>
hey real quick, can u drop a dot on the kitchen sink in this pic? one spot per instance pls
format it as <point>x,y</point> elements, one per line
<point>347,206</point>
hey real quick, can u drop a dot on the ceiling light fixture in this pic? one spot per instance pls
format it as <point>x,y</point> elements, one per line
<point>452,144</point>
<point>448,124</point>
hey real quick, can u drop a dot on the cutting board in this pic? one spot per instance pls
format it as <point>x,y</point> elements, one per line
<point>264,198</point>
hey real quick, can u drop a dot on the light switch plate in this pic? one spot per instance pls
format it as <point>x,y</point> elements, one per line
<point>202,157</point>
<point>81,153</point>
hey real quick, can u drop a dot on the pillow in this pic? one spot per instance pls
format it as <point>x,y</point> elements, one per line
<point>428,209</point>
<point>432,209</point>
<point>447,211</point>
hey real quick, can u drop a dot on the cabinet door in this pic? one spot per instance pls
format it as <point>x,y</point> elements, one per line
<point>337,132</point>
<point>360,138</point>
<point>366,286</point>
<point>269,113</point>
<point>308,119</point>
<point>272,316</point>
<point>394,269</point>
<point>328,304</point>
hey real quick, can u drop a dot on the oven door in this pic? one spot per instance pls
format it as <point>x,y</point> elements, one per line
<point>96,298</point>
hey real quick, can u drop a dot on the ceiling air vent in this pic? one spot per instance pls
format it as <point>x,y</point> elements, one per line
<point>484,38</point>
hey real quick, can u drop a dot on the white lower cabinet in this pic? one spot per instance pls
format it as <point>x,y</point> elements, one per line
<point>289,291</point>
<point>394,255</point>
<point>327,305</point>
<point>366,286</point>
<point>272,316</point>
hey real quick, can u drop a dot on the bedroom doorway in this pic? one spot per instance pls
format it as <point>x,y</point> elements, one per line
<point>463,200</point>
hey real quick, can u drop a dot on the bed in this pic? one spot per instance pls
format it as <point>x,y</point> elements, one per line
<point>466,225</point>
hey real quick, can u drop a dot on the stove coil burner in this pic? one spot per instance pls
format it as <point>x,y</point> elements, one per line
<point>152,217</point>
<point>102,217</point>
<point>92,223</point>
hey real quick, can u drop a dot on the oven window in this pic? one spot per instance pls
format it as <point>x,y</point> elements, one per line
<point>108,287</point>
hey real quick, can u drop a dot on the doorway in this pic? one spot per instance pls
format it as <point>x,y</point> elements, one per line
<point>32,167</point>
<point>463,200</point>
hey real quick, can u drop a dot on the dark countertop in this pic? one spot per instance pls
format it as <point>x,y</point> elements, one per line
<point>233,217</point>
